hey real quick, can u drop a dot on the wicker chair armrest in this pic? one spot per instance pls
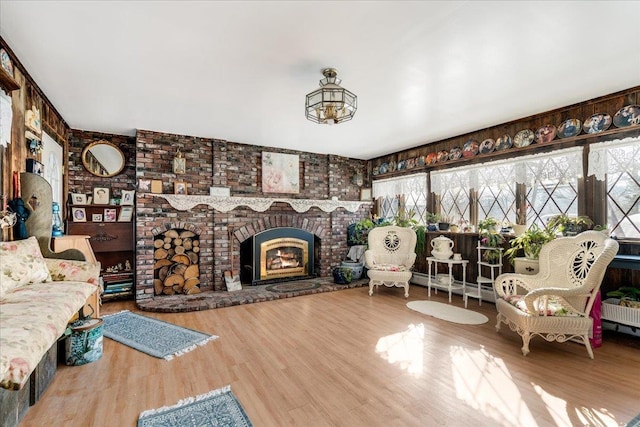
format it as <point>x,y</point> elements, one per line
<point>369,258</point>
<point>507,284</point>
<point>411,259</point>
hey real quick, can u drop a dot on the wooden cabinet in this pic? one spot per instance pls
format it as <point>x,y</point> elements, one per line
<point>113,243</point>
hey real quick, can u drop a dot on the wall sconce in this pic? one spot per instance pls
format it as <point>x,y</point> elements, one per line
<point>179,163</point>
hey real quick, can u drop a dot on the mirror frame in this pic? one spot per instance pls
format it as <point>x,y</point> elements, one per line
<point>91,168</point>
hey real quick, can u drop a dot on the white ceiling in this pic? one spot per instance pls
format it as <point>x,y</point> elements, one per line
<point>240,70</point>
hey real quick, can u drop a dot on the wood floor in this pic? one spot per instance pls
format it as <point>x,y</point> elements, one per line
<point>346,359</point>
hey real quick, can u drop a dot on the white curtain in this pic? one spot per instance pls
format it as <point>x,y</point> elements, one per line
<point>409,184</point>
<point>614,157</point>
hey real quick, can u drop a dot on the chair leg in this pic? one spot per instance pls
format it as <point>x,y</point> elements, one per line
<point>406,290</point>
<point>585,339</point>
<point>371,285</point>
<point>525,343</point>
<point>498,322</point>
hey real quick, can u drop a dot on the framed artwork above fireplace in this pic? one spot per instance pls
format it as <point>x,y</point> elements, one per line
<point>280,173</point>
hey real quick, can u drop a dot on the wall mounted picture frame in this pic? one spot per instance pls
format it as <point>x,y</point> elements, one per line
<point>126,214</point>
<point>180,187</point>
<point>96,217</point>
<point>100,196</point>
<point>280,173</point>
<point>78,214</point>
<point>128,197</point>
<point>144,185</point>
<point>365,194</point>
<point>78,199</point>
<point>109,215</point>
<point>156,186</point>
<point>179,165</point>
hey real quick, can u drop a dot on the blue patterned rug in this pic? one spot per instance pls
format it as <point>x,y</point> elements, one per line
<point>214,409</point>
<point>152,336</point>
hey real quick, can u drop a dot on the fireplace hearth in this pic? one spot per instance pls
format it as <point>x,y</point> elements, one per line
<point>277,254</point>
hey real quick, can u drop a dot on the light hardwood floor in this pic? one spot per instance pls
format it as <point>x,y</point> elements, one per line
<point>346,359</point>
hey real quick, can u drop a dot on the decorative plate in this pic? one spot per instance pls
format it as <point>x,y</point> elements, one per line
<point>523,138</point>
<point>471,148</point>
<point>392,166</point>
<point>487,146</point>
<point>422,160</point>
<point>597,123</point>
<point>402,165</point>
<point>5,62</point>
<point>384,168</point>
<point>627,116</point>
<point>432,158</point>
<point>569,128</point>
<point>411,163</point>
<point>455,153</point>
<point>503,143</point>
<point>443,156</point>
<point>376,170</point>
<point>545,134</point>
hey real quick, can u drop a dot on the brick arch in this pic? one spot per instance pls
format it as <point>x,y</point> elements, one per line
<point>296,221</point>
<point>179,225</point>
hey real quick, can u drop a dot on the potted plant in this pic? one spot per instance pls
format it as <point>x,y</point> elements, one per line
<point>530,242</point>
<point>432,221</point>
<point>361,231</point>
<point>444,223</point>
<point>488,224</point>
<point>342,275</point>
<point>569,225</point>
<point>628,296</point>
<point>491,239</point>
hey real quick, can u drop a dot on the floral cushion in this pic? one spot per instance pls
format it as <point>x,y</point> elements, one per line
<point>21,263</point>
<point>389,267</point>
<point>77,271</point>
<point>554,306</point>
<point>32,318</point>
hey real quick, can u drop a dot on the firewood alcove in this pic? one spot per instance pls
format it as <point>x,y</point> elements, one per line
<point>176,262</point>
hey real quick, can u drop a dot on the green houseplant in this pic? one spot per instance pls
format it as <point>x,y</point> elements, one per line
<point>569,225</point>
<point>491,239</point>
<point>531,241</point>
<point>488,224</point>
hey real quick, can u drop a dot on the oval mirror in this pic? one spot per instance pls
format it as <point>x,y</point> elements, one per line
<point>102,158</point>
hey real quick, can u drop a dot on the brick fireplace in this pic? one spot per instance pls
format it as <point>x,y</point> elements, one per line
<point>212,162</point>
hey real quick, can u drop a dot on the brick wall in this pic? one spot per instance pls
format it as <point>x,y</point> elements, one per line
<point>212,162</point>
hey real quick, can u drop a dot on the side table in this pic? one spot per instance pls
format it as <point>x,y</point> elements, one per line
<point>450,286</point>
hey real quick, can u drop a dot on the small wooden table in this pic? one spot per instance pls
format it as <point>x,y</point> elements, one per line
<point>450,262</point>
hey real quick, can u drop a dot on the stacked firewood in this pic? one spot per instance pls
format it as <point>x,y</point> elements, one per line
<point>176,263</point>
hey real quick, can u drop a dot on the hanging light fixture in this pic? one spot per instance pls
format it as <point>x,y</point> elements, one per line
<point>331,104</point>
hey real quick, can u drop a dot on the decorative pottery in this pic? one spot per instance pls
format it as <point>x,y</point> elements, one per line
<point>597,123</point>
<point>455,153</point>
<point>342,275</point>
<point>384,168</point>
<point>355,267</point>
<point>471,148</point>
<point>569,128</point>
<point>523,138</point>
<point>442,247</point>
<point>627,116</point>
<point>432,158</point>
<point>392,166</point>
<point>402,165</point>
<point>503,143</point>
<point>411,163</point>
<point>545,134</point>
<point>422,160</point>
<point>443,156</point>
<point>487,146</point>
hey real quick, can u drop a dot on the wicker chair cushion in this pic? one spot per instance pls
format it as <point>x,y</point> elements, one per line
<point>554,306</point>
<point>389,267</point>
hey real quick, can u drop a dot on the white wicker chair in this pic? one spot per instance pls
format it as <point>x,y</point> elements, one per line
<point>559,298</point>
<point>390,256</point>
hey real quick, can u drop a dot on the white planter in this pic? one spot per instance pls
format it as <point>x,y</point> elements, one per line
<point>611,310</point>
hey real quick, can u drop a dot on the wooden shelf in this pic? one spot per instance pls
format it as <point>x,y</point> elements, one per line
<point>8,83</point>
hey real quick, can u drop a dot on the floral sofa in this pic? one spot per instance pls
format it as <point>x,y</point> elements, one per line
<point>38,297</point>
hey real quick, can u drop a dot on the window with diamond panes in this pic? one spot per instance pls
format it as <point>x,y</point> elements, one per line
<point>551,187</point>
<point>389,207</point>
<point>412,189</point>
<point>497,193</point>
<point>618,164</point>
<point>454,196</point>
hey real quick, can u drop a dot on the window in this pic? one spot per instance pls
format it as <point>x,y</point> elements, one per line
<point>410,191</point>
<point>617,165</point>
<point>549,187</point>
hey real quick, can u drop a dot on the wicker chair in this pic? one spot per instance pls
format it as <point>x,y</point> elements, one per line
<point>559,298</point>
<point>390,256</point>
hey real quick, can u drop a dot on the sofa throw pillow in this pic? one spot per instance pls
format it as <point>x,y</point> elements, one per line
<point>21,263</point>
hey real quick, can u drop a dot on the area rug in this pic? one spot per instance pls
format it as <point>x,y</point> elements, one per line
<point>152,336</point>
<point>447,312</point>
<point>293,286</point>
<point>217,408</point>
